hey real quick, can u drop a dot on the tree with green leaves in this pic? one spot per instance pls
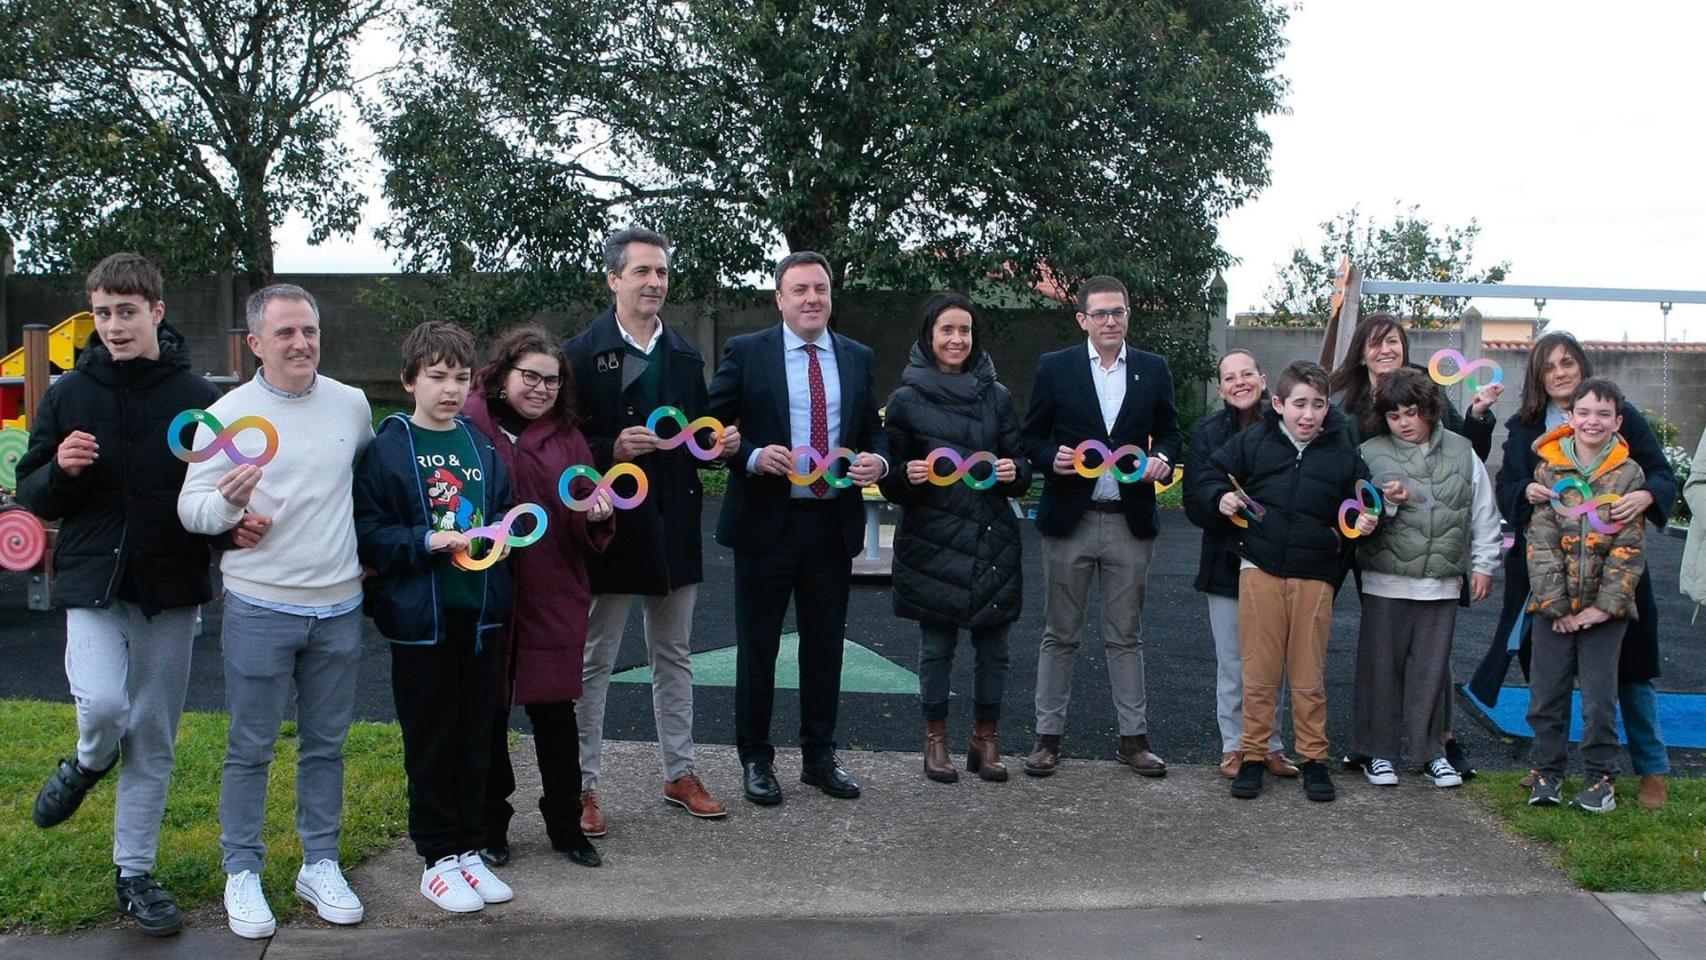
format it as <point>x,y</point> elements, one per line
<point>916,143</point>
<point>1410,248</point>
<point>182,129</point>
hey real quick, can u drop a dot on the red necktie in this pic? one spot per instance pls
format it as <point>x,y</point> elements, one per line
<point>820,414</point>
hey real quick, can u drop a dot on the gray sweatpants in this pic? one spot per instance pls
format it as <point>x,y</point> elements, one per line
<point>1589,658</point>
<point>1403,677</point>
<point>128,676</point>
<point>265,653</point>
<point>668,623</point>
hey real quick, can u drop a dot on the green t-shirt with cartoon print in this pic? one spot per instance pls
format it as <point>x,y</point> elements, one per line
<point>455,486</point>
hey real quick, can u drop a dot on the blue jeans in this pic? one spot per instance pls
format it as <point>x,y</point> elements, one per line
<point>1640,703</point>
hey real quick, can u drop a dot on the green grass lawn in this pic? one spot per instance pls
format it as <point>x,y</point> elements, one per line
<point>1628,850</point>
<point>62,878</point>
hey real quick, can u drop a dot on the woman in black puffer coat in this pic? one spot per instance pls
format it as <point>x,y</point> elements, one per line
<point>957,552</point>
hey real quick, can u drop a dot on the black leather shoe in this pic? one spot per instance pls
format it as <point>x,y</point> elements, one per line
<point>495,854</point>
<point>827,775</point>
<point>578,849</point>
<point>63,793</point>
<point>154,910</point>
<point>761,786</point>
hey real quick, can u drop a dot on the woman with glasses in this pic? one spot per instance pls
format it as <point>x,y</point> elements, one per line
<point>521,400</point>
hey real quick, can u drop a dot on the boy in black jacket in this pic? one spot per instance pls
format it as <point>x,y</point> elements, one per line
<point>424,482</point>
<point>1295,468</point>
<point>127,573</point>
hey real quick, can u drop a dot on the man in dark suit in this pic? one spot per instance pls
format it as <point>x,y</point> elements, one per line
<point>1098,528</point>
<point>625,365</point>
<point>797,384</point>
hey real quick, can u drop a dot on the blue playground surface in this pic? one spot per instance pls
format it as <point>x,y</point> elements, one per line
<point>1682,716</point>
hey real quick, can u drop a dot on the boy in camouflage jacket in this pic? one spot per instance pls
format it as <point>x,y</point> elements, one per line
<point>1582,575</point>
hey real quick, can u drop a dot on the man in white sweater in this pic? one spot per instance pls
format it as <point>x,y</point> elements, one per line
<point>292,601</point>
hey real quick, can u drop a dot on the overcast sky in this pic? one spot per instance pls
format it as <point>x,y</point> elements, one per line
<point>1575,132</point>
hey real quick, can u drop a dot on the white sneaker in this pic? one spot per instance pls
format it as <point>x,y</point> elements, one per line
<point>1380,772</point>
<point>246,907</point>
<point>443,884</point>
<point>484,881</point>
<point>1443,773</point>
<point>323,885</point>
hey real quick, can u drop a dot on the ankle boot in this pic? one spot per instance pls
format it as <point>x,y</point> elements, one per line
<point>984,756</point>
<point>937,766</point>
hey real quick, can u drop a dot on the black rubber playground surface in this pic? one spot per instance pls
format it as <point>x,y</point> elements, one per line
<point>1179,657</point>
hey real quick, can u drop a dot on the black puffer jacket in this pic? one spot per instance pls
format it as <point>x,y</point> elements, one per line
<point>119,518</point>
<point>1217,568</point>
<point>1301,489</point>
<point>957,552</point>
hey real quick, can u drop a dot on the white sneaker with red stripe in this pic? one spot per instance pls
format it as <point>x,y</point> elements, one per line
<point>443,884</point>
<point>483,880</point>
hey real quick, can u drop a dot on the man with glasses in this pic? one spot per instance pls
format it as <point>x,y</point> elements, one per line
<point>1099,527</point>
<point>626,365</point>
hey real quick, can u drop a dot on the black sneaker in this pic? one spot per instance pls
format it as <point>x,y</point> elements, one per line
<point>1454,756</point>
<point>1597,797</point>
<point>1248,783</point>
<point>1547,791</point>
<point>1354,762</point>
<point>1317,782</point>
<point>63,792</point>
<point>154,910</point>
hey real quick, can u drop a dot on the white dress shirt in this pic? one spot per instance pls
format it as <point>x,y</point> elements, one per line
<point>1110,392</point>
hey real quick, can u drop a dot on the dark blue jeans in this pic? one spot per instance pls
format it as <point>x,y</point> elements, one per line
<point>1640,703</point>
<point>936,667</point>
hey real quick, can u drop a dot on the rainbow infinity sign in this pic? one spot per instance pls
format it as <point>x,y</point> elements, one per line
<point>962,468</point>
<point>1463,367</point>
<point>1420,496</point>
<point>605,482</point>
<point>1367,501</point>
<point>688,433</point>
<point>1109,461</point>
<point>1252,510</point>
<point>1589,507</point>
<point>224,438</point>
<point>501,536</point>
<point>818,466</point>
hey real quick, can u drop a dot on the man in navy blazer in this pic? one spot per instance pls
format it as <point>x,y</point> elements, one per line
<point>797,384</point>
<point>1098,528</point>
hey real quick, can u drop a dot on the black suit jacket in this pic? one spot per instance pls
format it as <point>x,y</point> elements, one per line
<point>751,389</point>
<point>657,546</point>
<point>1065,411</point>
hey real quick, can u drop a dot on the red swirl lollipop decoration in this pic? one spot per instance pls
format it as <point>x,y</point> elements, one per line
<point>23,540</point>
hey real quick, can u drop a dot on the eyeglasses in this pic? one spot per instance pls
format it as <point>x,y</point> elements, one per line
<point>532,379</point>
<point>1118,313</point>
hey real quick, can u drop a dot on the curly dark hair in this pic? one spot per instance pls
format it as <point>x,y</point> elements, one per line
<point>511,346</point>
<point>1403,387</point>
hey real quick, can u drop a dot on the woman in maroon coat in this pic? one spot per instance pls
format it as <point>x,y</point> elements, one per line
<point>522,401</point>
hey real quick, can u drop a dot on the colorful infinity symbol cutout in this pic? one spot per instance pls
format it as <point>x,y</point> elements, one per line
<point>1589,507</point>
<point>1110,461</point>
<point>819,467</point>
<point>689,432</point>
<point>224,438</point>
<point>502,537</point>
<point>602,481</point>
<point>23,540</point>
<point>1252,510</point>
<point>1178,475</point>
<point>1464,367</point>
<point>962,468</point>
<point>1367,501</point>
<point>1420,496</point>
<point>13,443</point>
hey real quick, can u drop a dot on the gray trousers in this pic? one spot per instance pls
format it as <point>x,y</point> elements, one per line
<point>128,676</point>
<point>1229,677</point>
<point>1102,549</point>
<point>668,623</point>
<point>265,653</point>
<point>1403,677</point>
<point>1588,658</point>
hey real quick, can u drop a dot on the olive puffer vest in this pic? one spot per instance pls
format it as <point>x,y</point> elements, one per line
<point>1427,542</point>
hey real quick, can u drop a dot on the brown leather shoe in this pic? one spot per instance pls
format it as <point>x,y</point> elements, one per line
<point>1653,792</point>
<point>1045,756</point>
<point>592,819</point>
<point>983,757</point>
<point>1527,781</point>
<point>687,792</point>
<point>1230,763</point>
<point>937,766</point>
<point>1279,765</point>
<point>1134,753</point>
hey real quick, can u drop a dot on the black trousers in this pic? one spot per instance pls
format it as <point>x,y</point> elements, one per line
<point>810,565</point>
<point>445,694</point>
<point>556,741</point>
